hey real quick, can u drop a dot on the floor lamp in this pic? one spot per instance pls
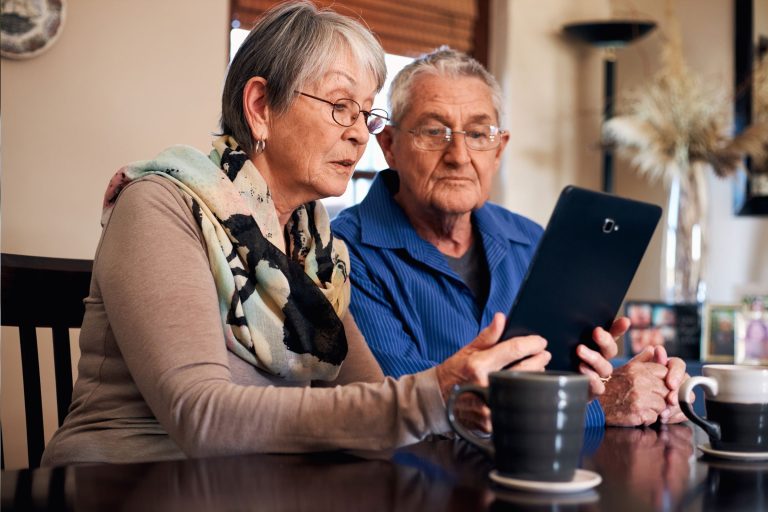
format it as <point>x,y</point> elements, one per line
<point>608,36</point>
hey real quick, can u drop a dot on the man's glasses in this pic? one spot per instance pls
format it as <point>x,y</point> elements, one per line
<point>346,111</point>
<point>480,137</point>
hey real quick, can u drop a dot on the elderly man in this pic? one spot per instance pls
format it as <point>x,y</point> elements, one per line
<point>433,261</point>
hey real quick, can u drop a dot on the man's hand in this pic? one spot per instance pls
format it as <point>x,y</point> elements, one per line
<point>472,364</point>
<point>637,393</point>
<point>644,390</point>
<point>596,365</point>
<point>676,375</point>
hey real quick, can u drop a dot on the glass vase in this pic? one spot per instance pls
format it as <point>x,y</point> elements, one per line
<point>685,238</point>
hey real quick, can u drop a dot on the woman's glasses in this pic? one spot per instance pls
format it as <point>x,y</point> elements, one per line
<point>346,111</point>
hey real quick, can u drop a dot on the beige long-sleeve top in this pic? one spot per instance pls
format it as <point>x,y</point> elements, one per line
<point>157,382</point>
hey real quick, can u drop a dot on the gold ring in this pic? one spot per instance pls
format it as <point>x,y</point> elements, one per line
<point>605,380</point>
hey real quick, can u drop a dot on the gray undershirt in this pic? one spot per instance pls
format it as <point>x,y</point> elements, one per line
<point>473,270</point>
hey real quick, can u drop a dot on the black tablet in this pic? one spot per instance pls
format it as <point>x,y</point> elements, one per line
<point>581,270</point>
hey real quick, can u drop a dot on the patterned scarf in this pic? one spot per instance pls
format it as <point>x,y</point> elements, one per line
<point>280,306</point>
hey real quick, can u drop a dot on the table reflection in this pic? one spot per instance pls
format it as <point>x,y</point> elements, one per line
<point>440,475</point>
<point>654,464</point>
<point>509,501</point>
<point>648,469</point>
<point>735,486</point>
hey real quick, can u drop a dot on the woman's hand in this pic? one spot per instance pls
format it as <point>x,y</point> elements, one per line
<point>596,365</point>
<point>473,363</point>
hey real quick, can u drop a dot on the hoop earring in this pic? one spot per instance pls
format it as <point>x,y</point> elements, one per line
<point>259,146</point>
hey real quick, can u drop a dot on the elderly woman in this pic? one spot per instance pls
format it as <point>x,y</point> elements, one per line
<point>217,318</point>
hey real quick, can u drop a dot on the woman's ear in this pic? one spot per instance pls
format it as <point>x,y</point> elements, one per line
<point>255,107</point>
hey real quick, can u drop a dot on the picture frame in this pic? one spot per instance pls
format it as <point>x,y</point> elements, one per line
<point>676,327</point>
<point>750,192</point>
<point>719,333</point>
<point>751,337</point>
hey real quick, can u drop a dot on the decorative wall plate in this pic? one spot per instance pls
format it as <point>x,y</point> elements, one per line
<point>29,27</point>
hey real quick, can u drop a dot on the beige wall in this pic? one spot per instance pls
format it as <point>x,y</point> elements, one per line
<point>552,102</point>
<point>553,96</point>
<point>124,80</point>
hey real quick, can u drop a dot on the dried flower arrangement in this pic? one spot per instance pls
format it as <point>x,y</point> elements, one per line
<point>678,122</point>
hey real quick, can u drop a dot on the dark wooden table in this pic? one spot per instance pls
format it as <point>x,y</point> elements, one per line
<point>642,469</point>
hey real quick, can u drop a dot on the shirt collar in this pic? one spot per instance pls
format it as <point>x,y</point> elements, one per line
<point>489,220</point>
<point>384,223</point>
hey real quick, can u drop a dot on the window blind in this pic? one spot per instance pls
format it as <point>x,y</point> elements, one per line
<point>404,28</point>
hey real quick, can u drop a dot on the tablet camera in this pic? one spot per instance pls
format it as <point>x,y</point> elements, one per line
<point>609,226</point>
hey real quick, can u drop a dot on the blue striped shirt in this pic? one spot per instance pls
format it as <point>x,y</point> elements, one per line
<point>412,308</point>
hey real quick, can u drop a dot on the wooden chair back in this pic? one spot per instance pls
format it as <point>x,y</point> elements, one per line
<point>43,292</point>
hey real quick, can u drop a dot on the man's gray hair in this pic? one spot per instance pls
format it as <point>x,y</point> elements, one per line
<point>292,45</point>
<point>446,62</point>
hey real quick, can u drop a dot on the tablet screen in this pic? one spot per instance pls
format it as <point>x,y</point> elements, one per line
<point>581,270</point>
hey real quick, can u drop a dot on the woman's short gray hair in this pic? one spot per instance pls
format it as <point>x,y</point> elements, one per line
<point>292,45</point>
<point>446,62</point>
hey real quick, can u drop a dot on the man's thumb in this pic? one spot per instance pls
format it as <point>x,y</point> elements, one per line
<point>645,356</point>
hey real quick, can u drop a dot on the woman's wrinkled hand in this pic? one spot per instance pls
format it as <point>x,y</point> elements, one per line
<point>472,364</point>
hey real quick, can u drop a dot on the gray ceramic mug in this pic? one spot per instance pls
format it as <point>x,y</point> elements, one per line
<point>537,419</point>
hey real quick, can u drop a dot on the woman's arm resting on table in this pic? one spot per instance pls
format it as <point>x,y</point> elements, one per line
<point>161,301</point>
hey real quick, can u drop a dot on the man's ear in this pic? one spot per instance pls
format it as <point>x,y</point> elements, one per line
<point>255,107</point>
<point>386,141</point>
<point>500,149</point>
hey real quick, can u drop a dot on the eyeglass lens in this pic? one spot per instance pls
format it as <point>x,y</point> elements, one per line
<point>477,136</point>
<point>346,111</point>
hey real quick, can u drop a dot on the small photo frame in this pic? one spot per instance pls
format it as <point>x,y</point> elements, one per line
<point>677,327</point>
<point>755,303</point>
<point>719,340</point>
<point>752,337</point>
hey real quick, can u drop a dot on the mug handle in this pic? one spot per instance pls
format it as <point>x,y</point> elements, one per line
<point>710,385</point>
<point>467,435</point>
